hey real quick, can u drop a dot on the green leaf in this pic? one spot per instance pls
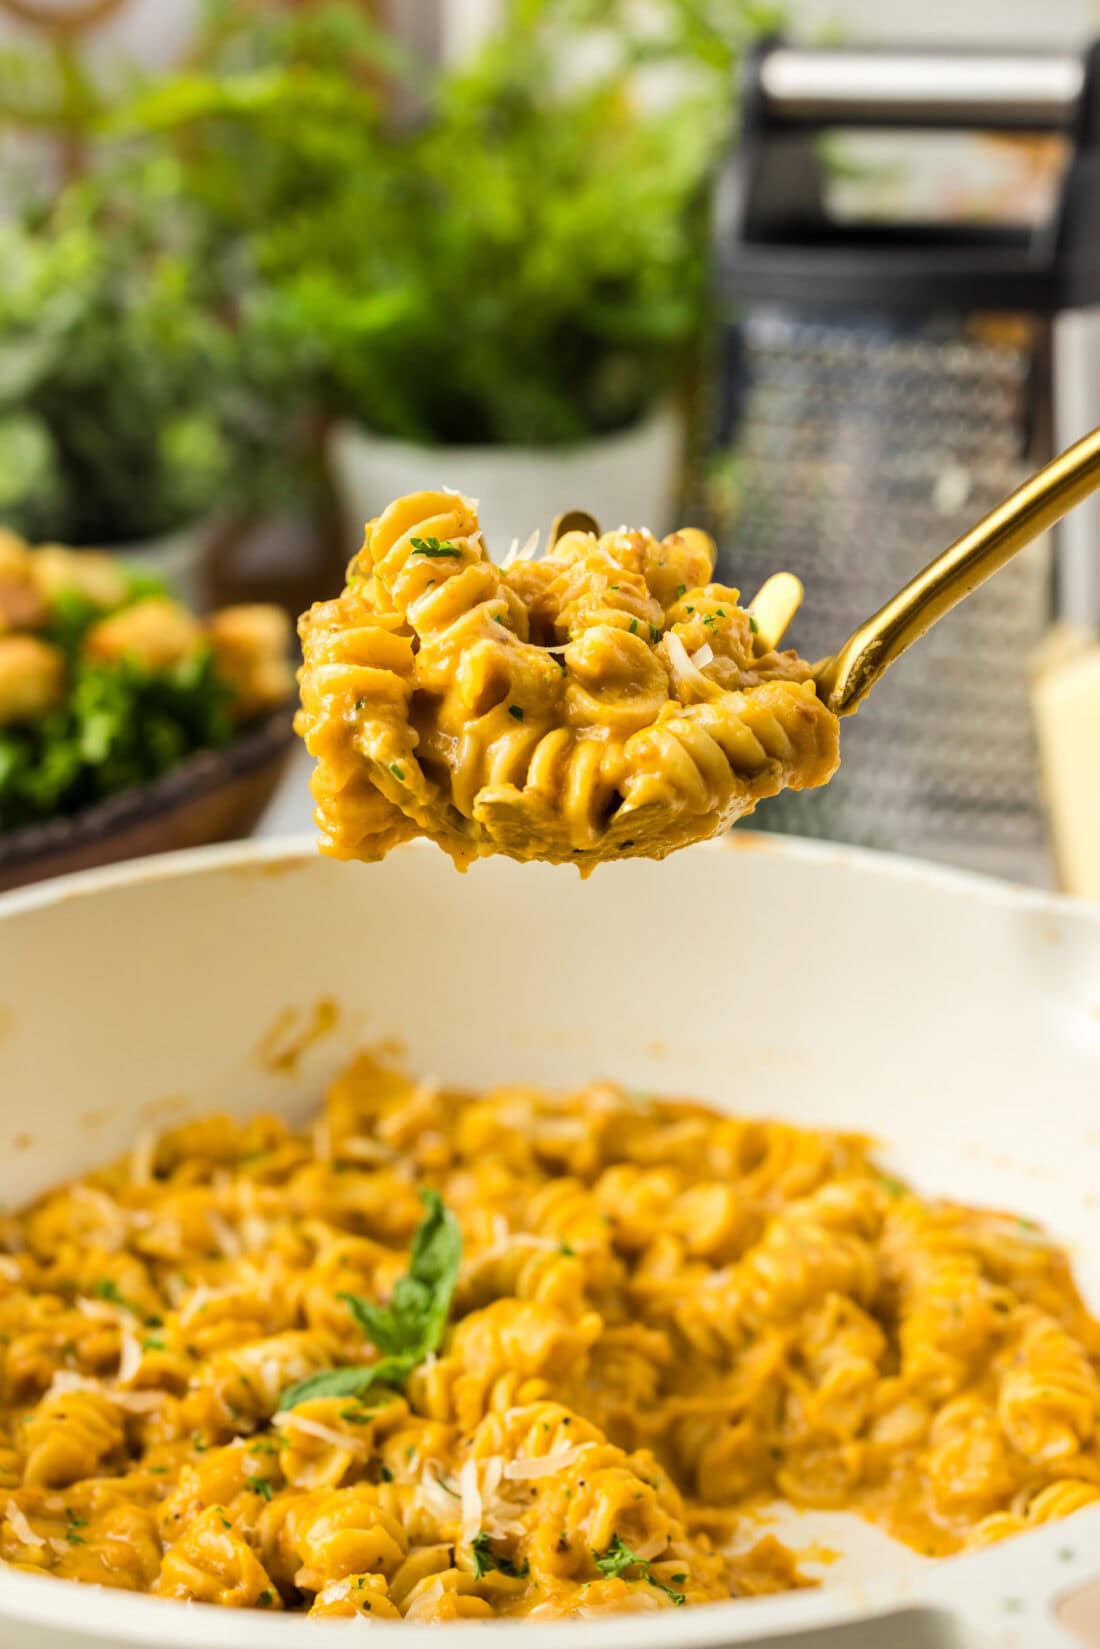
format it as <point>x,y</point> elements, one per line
<point>618,1558</point>
<point>434,550</point>
<point>72,614</point>
<point>412,1325</point>
<point>485,1558</point>
<point>339,1382</point>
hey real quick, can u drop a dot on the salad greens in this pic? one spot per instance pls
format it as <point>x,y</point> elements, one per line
<point>119,725</point>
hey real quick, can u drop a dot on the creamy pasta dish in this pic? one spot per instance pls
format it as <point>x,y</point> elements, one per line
<point>604,701</point>
<point>516,1353</point>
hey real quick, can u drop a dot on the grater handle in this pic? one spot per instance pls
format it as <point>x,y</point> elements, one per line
<point>935,89</point>
<point>844,679</point>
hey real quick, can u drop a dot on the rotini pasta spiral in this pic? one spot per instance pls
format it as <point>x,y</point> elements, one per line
<point>663,1319</point>
<point>602,702</point>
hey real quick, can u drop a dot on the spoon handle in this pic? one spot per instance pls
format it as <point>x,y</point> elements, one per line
<point>844,679</point>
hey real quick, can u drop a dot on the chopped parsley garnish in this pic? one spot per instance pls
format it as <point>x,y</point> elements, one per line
<point>266,1598</point>
<point>199,1443</point>
<point>261,1486</point>
<point>151,1343</point>
<point>721,611</point>
<point>385,1474</point>
<point>708,618</point>
<point>515,712</point>
<point>634,626</point>
<point>892,1187</point>
<point>105,1288</point>
<point>619,1557</point>
<point>73,1538</point>
<point>433,548</point>
<point>564,1248</point>
<point>681,589</point>
<point>654,632</point>
<point>398,772</point>
<point>412,1325</point>
<point>485,1559</point>
<point>753,626</point>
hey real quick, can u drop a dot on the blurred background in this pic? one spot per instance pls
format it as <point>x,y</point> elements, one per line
<point>268,263</point>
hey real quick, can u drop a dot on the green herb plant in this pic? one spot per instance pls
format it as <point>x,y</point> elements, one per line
<point>113,364</point>
<point>512,250</point>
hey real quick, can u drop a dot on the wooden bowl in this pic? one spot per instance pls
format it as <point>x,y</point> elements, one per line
<point>212,796</point>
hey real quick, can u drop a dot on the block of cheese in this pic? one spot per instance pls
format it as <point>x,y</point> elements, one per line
<point>1066,698</point>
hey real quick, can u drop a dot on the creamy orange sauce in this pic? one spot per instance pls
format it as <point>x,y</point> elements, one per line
<point>607,701</point>
<point>657,1319</point>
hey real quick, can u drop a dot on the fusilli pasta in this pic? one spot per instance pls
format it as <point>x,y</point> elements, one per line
<point>660,1319</point>
<point>605,701</point>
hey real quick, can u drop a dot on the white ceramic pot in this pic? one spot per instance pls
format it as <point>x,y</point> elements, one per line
<point>954,1019</point>
<point>631,477</point>
<point>176,557</point>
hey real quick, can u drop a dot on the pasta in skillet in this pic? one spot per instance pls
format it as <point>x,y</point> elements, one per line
<point>456,1355</point>
<point>604,701</point>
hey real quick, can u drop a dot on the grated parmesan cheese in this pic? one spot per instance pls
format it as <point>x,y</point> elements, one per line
<point>335,1591</point>
<point>224,1235</point>
<point>437,1497</point>
<point>326,1434</point>
<point>114,1225</point>
<point>500,1249</point>
<point>526,552</point>
<point>545,1465</point>
<point>20,1528</point>
<point>129,1357</point>
<point>137,1402</point>
<point>685,673</point>
<point>472,1508</point>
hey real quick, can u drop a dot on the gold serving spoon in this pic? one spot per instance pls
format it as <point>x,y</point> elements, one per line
<point>844,679</point>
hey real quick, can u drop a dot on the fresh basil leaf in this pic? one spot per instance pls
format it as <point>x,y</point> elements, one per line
<point>414,1321</point>
<point>341,1382</point>
<point>412,1325</point>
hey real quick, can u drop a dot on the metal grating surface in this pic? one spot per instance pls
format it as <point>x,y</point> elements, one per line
<point>860,452</point>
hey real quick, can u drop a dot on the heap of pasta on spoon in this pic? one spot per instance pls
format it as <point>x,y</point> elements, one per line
<point>604,701</point>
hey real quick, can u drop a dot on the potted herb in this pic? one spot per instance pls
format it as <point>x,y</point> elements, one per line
<point>506,287</point>
<point>111,360</point>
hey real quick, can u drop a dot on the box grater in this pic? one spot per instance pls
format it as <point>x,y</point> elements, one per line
<point>885,384</point>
